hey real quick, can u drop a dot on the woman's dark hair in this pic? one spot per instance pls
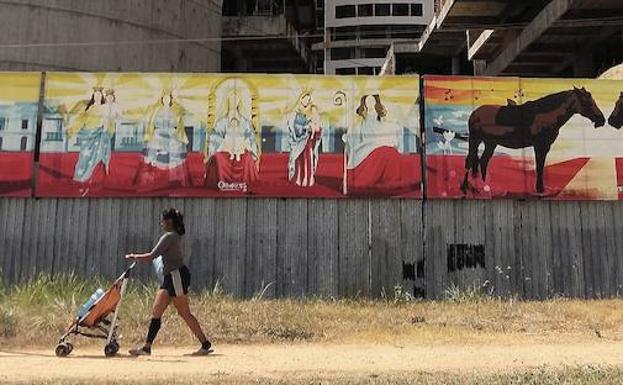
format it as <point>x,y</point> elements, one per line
<point>380,109</point>
<point>92,101</point>
<point>177,218</point>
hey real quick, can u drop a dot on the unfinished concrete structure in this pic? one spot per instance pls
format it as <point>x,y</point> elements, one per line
<point>268,36</point>
<point>111,35</point>
<point>545,38</point>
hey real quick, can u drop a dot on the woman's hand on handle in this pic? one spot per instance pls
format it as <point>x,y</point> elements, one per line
<point>138,257</point>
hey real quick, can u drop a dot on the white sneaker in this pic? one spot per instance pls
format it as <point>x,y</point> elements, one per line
<point>140,352</point>
<point>202,352</point>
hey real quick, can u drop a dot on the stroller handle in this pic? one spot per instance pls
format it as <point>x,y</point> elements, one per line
<point>126,273</point>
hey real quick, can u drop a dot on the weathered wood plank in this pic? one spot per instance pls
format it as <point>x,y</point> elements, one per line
<point>617,224</point>
<point>611,250</point>
<point>261,243</point>
<point>322,247</point>
<point>412,246</point>
<point>47,252</point>
<point>585,227</point>
<point>28,242</point>
<point>386,256</point>
<point>230,244</point>
<point>354,257</point>
<point>200,242</point>
<point>5,258</point>
<point>292,236</point>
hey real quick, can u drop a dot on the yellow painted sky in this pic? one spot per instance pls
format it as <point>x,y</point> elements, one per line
<point>273,96</point>
<point>19,87</point>
<point>480,91</point>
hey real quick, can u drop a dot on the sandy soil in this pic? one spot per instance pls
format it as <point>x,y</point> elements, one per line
<point>301,360</point>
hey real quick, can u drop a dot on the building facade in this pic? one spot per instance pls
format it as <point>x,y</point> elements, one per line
<point>357,34</point>
<point>111,35</point>
<point>18,124</point>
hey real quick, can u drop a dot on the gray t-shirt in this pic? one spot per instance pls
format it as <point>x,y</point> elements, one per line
<point>171,248</point>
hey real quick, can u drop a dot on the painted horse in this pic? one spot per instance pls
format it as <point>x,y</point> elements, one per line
<point>532,124</point>
<point>616,118</point>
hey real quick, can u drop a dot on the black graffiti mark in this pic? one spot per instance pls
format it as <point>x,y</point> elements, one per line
<point>411,271</point>
<point>408,271</point>
<point>462,256</point>
<point>419,292</point>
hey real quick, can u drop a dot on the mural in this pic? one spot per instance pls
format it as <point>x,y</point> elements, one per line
<point>522,138</point>
<point>122,135</point>
<point>19,101</point>
<point>229,135</point>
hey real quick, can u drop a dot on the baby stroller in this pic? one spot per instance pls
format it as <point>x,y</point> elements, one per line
<point>96,319</point>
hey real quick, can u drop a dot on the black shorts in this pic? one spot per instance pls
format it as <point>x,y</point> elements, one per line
<point>177,282</point>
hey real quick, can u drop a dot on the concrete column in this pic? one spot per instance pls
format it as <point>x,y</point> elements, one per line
<point>456,65</point>
<point>479,67</point>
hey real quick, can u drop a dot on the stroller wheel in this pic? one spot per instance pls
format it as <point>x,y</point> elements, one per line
<point>70,346</point>
<point>63,349</point>
<point>111,349</point>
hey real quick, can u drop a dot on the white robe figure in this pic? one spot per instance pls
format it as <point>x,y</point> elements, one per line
<point>235,141</point>
<point>369,135</point>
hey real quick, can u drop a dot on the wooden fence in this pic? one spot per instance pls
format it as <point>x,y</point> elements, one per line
<point>340,248</point>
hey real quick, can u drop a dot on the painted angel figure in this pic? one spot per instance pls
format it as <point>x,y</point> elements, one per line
<point>94,125</point>
<point>373,158</point>
<point>164,158</point>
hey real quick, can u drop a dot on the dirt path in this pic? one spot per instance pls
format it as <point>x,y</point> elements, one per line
<point>301,360</point>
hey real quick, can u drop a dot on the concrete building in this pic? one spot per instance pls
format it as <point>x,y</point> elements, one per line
<point>268,36</point>
<point>357,34</point>
<point>111,35</point>
<point>543,38</point>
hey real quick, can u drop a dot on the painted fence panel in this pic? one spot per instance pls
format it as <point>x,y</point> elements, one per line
<point>522,138</point>
<point>19,103</point>
<point>213,135</point>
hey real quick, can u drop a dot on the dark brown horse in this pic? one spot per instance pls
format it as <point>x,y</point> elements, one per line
<point>616,117</point>
<point>533,124</point>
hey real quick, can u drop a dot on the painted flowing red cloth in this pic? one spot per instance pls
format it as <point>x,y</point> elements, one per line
<point>382,169</point>
<point>149,177</point>
<point>304,165</point>
<point>223,169</point>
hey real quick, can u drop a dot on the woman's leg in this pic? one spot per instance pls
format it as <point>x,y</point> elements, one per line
<point>183,309</point>
<point>160,305</point>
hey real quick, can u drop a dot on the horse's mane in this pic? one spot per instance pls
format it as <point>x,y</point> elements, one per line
<point>547,103</point>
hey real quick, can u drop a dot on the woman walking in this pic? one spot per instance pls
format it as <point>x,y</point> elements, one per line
<point>174,288</point>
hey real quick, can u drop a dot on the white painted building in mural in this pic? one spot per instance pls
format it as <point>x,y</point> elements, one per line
<point>18,125</point>
<point>129,135</point>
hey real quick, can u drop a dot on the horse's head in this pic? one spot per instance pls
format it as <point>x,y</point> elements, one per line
<point>616,118</point>
<point>587,107</point>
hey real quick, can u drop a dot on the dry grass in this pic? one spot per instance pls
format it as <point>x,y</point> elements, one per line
<point>35,314</point>
<point>541,376</point>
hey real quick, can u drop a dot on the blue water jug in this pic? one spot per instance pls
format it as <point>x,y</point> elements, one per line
<point>88,304</point>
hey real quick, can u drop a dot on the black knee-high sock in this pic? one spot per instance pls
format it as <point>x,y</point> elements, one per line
<point>154,326</point>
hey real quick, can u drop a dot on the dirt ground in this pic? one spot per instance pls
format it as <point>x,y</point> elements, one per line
<point>307,360</point>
